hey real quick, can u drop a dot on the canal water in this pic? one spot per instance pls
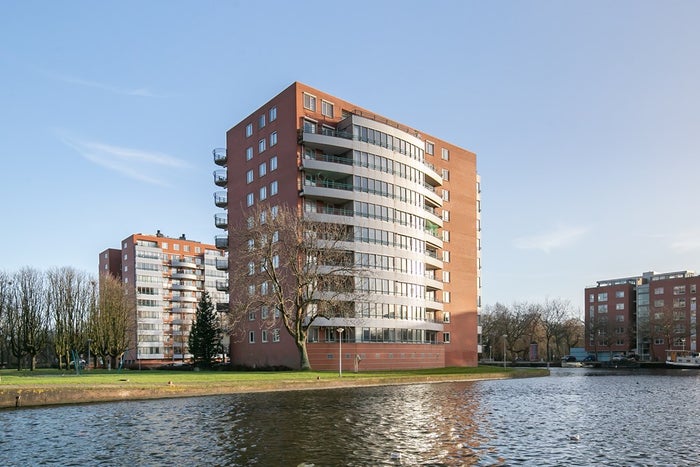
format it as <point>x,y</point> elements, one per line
<point>575,417</point>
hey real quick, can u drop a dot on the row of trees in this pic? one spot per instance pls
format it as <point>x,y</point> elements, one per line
<point>552,325</point>
<point>61,312</point>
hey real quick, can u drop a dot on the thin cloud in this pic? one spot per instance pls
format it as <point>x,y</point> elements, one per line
<point>133,163</point>
<point>140,92</point>
<point>561,237</point>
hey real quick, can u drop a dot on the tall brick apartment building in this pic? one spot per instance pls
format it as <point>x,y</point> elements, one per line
<point>336,162</point>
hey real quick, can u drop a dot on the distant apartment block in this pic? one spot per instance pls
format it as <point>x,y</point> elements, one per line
<point>410,200</point>
<point>168,276</point>
<point>645,315</point>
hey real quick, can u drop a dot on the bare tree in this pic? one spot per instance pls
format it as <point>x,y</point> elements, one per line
<point>28,316</point>
<point>554,313</point>
<point>298,269</point>
<point>112,319</point>
<point>70,296</point>
<point>5,303</point>
<point>516,323</point>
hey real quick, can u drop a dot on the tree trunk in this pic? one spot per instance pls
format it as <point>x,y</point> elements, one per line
<point>304,363</point>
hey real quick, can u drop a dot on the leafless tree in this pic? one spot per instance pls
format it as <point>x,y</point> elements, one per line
<point>553,315</point>
<point>298,269</point>
<point>112,319</point>
<point>5,302</point>
<point>71,293</point>
<point>28,317</point>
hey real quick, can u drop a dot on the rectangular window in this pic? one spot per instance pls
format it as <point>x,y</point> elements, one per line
<point>263,337</point>
<point>679,303</point>
<point>262,169</point>
<point>309,126</point>
<point>248,129</point>
<point>446,215</point>
<point>446,256</point>
<point>276,335</point>
<point>263,193</point>
<point>445,235</point>
<point>446,317</point>
<point>693,288</point>
<point>446,297</point>
<point>327,109</point>
<point>620,294</point>
<point>602,308</point>
<point>445,174</point>
<point>273,163</point>
<point>251,316</point>
<point>591,298</point>
<point>446,277</point>
<point>603,297</point>
<point>658,291</point>
<point>446,337</point>
<point>619,306</point>
<point>176,247</point>
<point>679,290</point>
<point>658,341</point>
<point>249,153</point>
<point>273,188</point>
<point>310,102</point>
<point>261,145</point>
<point>273,114</point>
<point>445,154</point>
<point>429,148</point>
<point>273,138</point>
<point>620,318</point>
<point>261,121</point>
<point>249,199</point>
<point>251,337</point>
<point>445,195</point>
<point>249,176</point>
<point>658,303</point>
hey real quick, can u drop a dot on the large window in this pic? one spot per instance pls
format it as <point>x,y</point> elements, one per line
<point>603,297</point>
<point>309,102</point>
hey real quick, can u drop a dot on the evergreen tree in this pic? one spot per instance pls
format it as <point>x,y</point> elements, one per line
<point>204,338</point>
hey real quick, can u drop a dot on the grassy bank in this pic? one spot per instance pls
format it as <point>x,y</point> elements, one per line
<point>47,387</point>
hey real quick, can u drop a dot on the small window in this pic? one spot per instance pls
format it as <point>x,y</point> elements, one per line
<point>619,306</point>
<point>251,316</point>
<point>446,215</point>
<point>445,195</point>
<point>263,337</point>
<point>446,256</point>
<point>591,298</point>
<point>445,154</point>
<point>327,109</point>
<point>446,317</point>
<point>251,337</point>
<point>249,153</point>
<point>446,277</point>
<point>273,188</point>
<point>275,335</point>
<point>262,145</point>
<point>249,176</point>
<point>445,174</point>
<point>263,193</point>
<point>620,294</point>
<point>176,247</point>
<point>248,130</point>
<point>273,163</point>
<point>273,114</point>
<point>658,303</point>
<point>446,296</point>
<point>249,199</point>
<point>446,337</point>
<point>429,148</point>
<point>262,169</point>
<point>309,102</point>
<point>309,126</point>
<point>603,297</point>
<point>445,235</point>
<point>602,308</point>
<point>658,291</point>
<point>261,121</point>
<point>273,138</point>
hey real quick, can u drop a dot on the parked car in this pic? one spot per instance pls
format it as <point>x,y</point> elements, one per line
<point>81,364</point>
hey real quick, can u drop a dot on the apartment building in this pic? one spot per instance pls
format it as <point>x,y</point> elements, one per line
<point>645,315</point>
<point>412,204</point>
<point>168,276</point>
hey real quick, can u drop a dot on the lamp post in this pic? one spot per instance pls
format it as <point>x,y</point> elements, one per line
<point>504,350</point>
<point>340,352</point>
<point>683,341</point>
<point>87,367</point>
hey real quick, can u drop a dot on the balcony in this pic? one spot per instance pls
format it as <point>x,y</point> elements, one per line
<point>221,199</point>
<point>184,263</point>
<point>221,242</point>
<point>222,307</point>
<point>221,221</point>
<point>222,286</point>
<point>222,264</point>
<point>190,287</point>
<point>220,156</point>
<point>220,178</point>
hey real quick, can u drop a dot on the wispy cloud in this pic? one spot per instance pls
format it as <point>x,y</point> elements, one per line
<point>134,163</point>
<point>139,92</point>
<point>560,237</point>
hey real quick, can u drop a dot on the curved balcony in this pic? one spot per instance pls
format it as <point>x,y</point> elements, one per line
<point>222,264</point>
<point>221,242</point>
<point>220,178</point>
<point>221,199</point>
<point>220,156</point>
<point>189,287</point>
<point>184,263</point>
<point>184,275</point>
<point>221,221</point>
<point>222,286</point>
<point>183,298</point>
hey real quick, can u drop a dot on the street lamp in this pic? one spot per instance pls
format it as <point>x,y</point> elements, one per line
<point>683,341</point>
<point>504,350</point>
<point>340,351</point>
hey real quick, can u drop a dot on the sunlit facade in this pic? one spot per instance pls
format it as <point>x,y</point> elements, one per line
<point>412,203</point>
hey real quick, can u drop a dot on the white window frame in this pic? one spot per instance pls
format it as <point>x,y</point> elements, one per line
<point>273,114</point>
<point>249,153</point>
<point>325,107</point>
<point>249,199</point>
<point>446,337</point>
<point>248,130</point>
<point>274,188</point>
<point>275,335</point>
<point>263,337</point>
<point>273,163</point>
<point>429,148</point>
<point>262,194</point>
<point>262,145</point>
<point>251,337</point>
<point>273,138</point>
<point>445,154</point>
<point>249,176</point>
<point>309,101</point>
<point>262,169</point>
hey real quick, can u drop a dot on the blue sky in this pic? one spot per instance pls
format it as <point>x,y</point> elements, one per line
<point>583,114</point>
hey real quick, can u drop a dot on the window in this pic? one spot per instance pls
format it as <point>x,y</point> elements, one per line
<point>429,148</point>
<point>273,138</point>
<point>658,291</point>
<point>263,337</point>
<point>602,308</point>
<point>249,199</point>
<point>327,109</point>
<point>446,256</point>
<point>591,298</point>
<point>261,145</point>
<point>273,163</point>
<point>446,317</point>
<point>658,341</point>
<point>446,337</point>
<point>261,121</point>
<point>251,268</point>
<point>274,210</point>
<point>264,287</point>
<point>263,193</point>
<point>445,235</point>
<point>603,297</point>
<point>679,303</point>
<point>445,195</point>
<point>273,188</point>
<point>679,290</point>
<point>445,215</point>
<point>273,114</point>
<point>620,294</point>
<point>251,244</point>
<point>262,169</point>
<point>692,288</point>
<point>249,176</point>
<point>445,154</point>
<point>658,303</point>
<point>249,153</point>
<point>620,318</point>
<point>445,174</point>
<point>251,316</point>
<point>276,335</point>
<point>309,102</point>
<point>276,261</point>
<point>248,130</point>
<point>176,247</point>
<point>446,296</point>
<point>619,306</point>
<point>309,126</point>
<point>251,337</point>
<point>446,276</point>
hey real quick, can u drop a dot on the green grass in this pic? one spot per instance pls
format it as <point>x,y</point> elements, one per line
<point>64,378</point>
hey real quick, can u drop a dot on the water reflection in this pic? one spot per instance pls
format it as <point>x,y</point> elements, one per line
<point>574,417</point>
